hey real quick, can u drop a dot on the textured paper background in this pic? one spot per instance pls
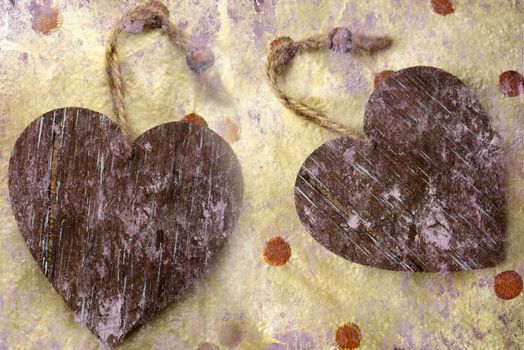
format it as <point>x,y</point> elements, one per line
<point>299,305</point>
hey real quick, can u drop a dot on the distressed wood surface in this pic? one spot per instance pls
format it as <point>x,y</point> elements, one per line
<point>424,192</point>
<point>121,237</point>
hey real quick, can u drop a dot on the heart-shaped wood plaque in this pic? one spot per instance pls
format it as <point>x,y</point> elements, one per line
<point>424,192</point>
<point>119,235</point>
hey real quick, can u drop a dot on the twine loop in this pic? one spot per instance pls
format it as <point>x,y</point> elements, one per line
<point>149,16</point>
<point>283,50</point>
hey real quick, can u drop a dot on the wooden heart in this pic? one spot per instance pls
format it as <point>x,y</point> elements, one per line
<point>424,192</point>
<point>121,237</point>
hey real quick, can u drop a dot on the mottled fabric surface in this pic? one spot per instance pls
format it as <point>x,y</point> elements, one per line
<point>245,303</point>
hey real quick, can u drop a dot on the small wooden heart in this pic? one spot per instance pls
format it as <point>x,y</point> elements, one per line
<point>120,237</point>
<point>424,192</point>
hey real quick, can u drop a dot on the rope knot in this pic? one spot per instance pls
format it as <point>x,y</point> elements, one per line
<point>149,16</point>
<point>283,50</point>
<point>340,40</point>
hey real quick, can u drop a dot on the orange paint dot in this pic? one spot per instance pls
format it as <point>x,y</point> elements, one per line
<point>348,336</point>
<point>511,83</point>
<point>277,251</point>
<point>195,119</point>
<point>508,285</point>
<point>442,7</point>
<point>379,77</point>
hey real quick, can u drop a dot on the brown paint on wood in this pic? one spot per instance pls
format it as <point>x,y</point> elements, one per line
<point>425,192</point>
<point>120,238</point>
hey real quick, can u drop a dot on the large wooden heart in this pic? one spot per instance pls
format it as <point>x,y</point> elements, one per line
<point>424,192</point>
<point>121,236</point>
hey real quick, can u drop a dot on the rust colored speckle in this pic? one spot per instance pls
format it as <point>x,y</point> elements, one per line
<point>379,77</point>
<point>230,130</point>
<point>277,251</point>
<point>348,336</point>
<point>195,119</point>
<point>442,7</point>
<point>231,335</point>
<point>508,285</point>
<point>45,18</point>
<point>511,83</point>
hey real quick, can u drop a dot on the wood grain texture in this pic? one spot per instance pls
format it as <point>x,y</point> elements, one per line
<point>120,237</point>
<point>424,192</point>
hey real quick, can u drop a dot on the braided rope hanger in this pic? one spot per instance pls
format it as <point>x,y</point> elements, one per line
<point>283,50</point>
<point>149,16</point>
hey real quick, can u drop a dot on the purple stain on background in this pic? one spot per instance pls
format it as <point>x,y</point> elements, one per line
<point>208,27</point>
<point>371,20</point>
<point>24,57</point>
<point>485,6</point>
<point>417,19</point>
<point>485,282</point>
<point>409,13</point>
<point>182,24</point>
<point>405,331</point>
<point>405,279</point>
<point>4,344</point>
<point>504,320</point>
<point>265,21</point>
<point>450,284</point>
<point>396,3</point>
<point>233,13</point>
<point>254,116</point>
<point>343,65</point>
<point>516,145</point>
<point>258,4</point>
<point>478,334</point>
<point>296,340</point>
<point>446,342</point>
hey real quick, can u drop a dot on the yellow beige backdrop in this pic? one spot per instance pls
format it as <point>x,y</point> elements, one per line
<point>244,303</point>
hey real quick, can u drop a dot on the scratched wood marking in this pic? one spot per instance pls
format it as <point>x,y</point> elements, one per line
<point>121,237</point>
<point>424,192</point>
